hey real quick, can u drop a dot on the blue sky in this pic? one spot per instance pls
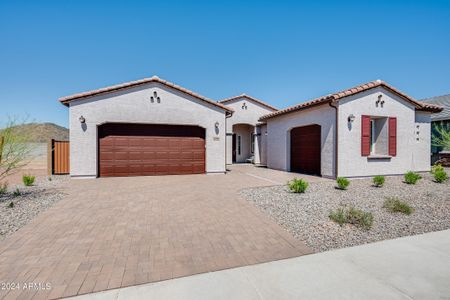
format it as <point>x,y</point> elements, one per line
<point>283,52</point>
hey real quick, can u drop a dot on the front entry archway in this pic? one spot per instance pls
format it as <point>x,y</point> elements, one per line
<point>243,143</point>
<point>306,149</point>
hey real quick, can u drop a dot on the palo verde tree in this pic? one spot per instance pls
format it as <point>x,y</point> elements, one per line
<point>441,137</point>
<point>15,148</point>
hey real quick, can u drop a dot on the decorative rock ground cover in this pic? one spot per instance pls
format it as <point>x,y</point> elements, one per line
<point>31,201</point>
<point>306,215</point>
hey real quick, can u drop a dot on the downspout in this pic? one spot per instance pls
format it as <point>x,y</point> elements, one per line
<point>332,103</point>
<point>228,114</point>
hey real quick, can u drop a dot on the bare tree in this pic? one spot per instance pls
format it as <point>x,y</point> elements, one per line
<point>15,148</point>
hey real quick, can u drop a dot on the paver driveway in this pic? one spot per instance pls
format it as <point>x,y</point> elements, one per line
<point>117,232</point>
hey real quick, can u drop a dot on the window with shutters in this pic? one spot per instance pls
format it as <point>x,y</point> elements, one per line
<point>378,136</point>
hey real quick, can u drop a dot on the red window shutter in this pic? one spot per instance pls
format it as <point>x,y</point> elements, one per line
<point>392,136</point>
<point>365,135</point>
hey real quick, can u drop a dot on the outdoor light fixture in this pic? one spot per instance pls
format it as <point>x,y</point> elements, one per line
<point>351,118</point>
<point>216,124</point>
<point>82,120</point>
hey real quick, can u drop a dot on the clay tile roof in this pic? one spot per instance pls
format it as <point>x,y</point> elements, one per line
<point>250,98</point>
<point>352,91</point>
<point>113,88</point>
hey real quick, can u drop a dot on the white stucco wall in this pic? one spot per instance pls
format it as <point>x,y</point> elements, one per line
<point>278,138</point>
<point>422,138</point>
<point>250,116</point>
<point>133,105</point>
<point>411,154</point>
<point>261,145</point>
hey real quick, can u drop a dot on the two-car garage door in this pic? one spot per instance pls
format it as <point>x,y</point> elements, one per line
<point>142,149</point>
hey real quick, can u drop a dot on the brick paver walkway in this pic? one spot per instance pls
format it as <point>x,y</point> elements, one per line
<point>117,232</point>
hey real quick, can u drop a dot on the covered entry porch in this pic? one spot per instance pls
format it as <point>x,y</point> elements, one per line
<point>245,145</point>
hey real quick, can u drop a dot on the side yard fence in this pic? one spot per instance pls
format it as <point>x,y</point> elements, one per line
<point>58,158</point>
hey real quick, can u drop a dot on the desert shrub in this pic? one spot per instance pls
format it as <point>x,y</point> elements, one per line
<point>3,188</point>
<point>440,176</point>
<point>11,204</point>
<point>353,216</point>
<point>378,181</point>
<point>339,216</point>
<point>16,192</point>
<point>394,204</point>
<point>439,173</point>
<point>28,180</point>
<point>298,185</point>
<point>412,178</point>
<point>342,183</point>
<point>360,218</point>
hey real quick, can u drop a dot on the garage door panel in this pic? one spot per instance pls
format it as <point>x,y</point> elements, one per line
<point>133,150</point>
<point>107,142</point>
<point>135,155</point>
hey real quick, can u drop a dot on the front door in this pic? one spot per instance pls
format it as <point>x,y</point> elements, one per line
<point>234,147</point>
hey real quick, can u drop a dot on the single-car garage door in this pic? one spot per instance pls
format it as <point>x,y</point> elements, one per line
<point>305,149</point>
<point>143,149</point>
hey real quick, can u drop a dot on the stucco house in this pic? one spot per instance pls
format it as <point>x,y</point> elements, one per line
<point>370,129</point>
<point>145,127</point>
<point>154,127</point>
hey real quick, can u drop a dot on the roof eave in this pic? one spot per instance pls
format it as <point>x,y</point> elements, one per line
<point>249,98</point>
<point>66,100</point>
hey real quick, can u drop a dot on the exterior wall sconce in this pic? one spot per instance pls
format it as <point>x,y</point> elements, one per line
<point>351,118</point>
<point>216,125</point>
<point>82,120</point>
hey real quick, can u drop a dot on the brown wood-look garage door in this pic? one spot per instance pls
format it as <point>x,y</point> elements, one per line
<point>141,149</point>
<point>305,149</point>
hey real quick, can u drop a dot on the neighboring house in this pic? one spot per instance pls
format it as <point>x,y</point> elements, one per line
<point>154,127</point>
<point>243,131</point>
<point>441,119</point>
<point>371,129</point>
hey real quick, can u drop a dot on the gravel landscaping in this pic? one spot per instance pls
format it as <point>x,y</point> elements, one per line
<point>31,201</point>
<point>306,215</point>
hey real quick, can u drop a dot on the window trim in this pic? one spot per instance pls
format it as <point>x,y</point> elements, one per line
<point>373,142</point>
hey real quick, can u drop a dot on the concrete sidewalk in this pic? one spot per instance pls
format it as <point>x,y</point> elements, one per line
<point>415,267</point>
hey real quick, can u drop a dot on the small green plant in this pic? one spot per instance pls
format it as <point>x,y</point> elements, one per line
<point>378,181</point>
<point>342,183</point>
<point>3,188</point>
<point>49,178</point>
<point>16,192</point>
<point>412,178</point>
<point>298,185</point>
<point>439,173</point>
<point>339,216</point>
<point>360,218</point>
<point>28,180</point>
<point>394,204</point>
<point>11,204</point>
<point>353,216</point>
